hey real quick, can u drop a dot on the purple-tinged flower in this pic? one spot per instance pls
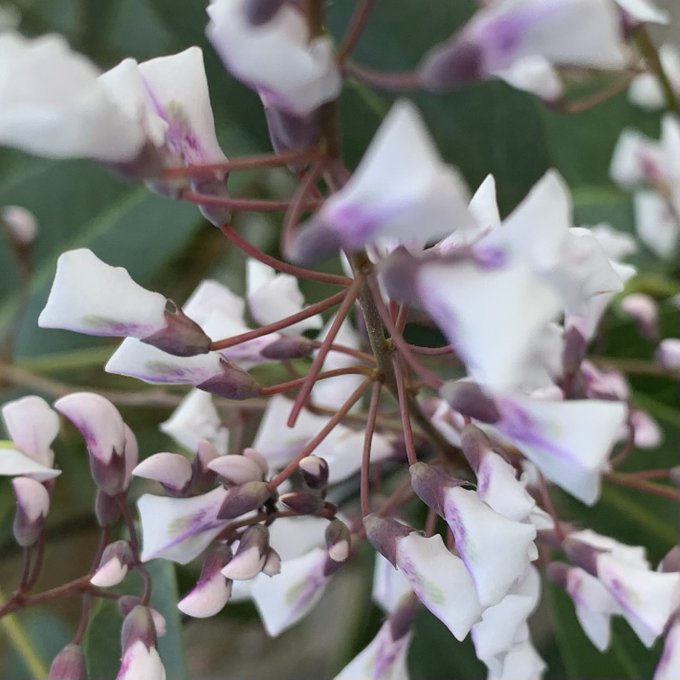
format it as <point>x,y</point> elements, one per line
<point>251,554</point>
<point>172,470</point>
<point>53,104</point>
<point>291,72</point>
<point>212,590</point>
<point>389,584</point>
<point>113,565</point>
<point>196,419</point>
<point>179,529</point>
<point>668,354</point>
<point>668,667</point>
<point>645,90</point>
<point>69,664</point>
<point>237,469</point>
<point>21,225</point>
<point>385,656</point>
<point>285,598</point>
<point>89,296</point>
<point>32,426</point>
<point>140,658</point>
<point>33,504</point>
<point>642,309</point>
<point>504,625</point>
<point>569,441</point>
<point>126,603</point>
<point>338,540</point>
<point>243,499</point>
<point>520,41</point>
<point>401,193</point>
<point>646,431</point>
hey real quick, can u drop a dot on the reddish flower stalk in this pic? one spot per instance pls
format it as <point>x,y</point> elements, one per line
<point>312,310</point>
<point>344,309</point>
<point>250,204</point>
<point>343,349</point>
<point>396,81</point>
<point>323,433</point>
<point>634,482</point>
<point>368,441</point>
<point>247,163</point>
<point>279,265</point>
<point>291,384</point>
<point>354,30</point>
<point>431,351</point>
<point>404,412</point>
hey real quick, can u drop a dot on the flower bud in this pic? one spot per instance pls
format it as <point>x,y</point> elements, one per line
<point>251,554</point>
<point>259,12</point>
<point>338,540</point>
<point>138,626</point>
<point>69,664</point>
<point>202,477</point>
<point>288,131</point>
<point>272,565</point>
<point>212,590</point>
<point>452,64</point>
<point>33,504</point>
<point>643,311</point>
<point>236,470</point>
<point>582,555</point>
<point>314,471</point>
<point>383,534</point>
<point>574,351</point>
<point>402,618</point>
<point>106,509</point>
<point>126,603</point>
<point>113,566</point>
<point>288,347</point>
<point>467,398</point>
<point>242,499</point>
<point>474,444</point>
<point>430,483</point>
<point>303,502</point>
<point>181,337</point>
<point>255,455</point>
<point>671,561</point>
<point>20,223</point>
<point>668,354</point>
<point>231,383</point>
<point>172,470</point>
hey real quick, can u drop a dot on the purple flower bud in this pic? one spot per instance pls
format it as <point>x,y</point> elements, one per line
<point>126,603</point>
<point>402,618</point>
<point>255,455</point>
<point>181,336</point>
<point>288,347</point>
<point>399,273</point>
<point>20,224</point>
<point>338,540</point>
<point>668,354</point>
<point>303,502</point>
<point>574,351</point>
<point>214,186</point>
<point>582,554</point>
<point>69,664</point>
<point>113,566</point>
<point>106,509</point>
<point>474,444</point>
<point>33,504</point>
<point>251,555</point>
<point>138,626</point>
<point>671,561</point>
<point>172,470</point>
<point>469,399</point>
<point>259,12</point>
<point>314,243</point>
<point>242,499</point>
<point>558,573</point>
<point>643,311</point>
<point>288,131</point>
<point>431,484</point>
<point>202,477</point>
<point>452,64</point>
<point>384,534</point>
<point>314,471</point>
<point>212,590</point>
<point>236,470</point>
<point>272,565</point>
<point>232,383</point>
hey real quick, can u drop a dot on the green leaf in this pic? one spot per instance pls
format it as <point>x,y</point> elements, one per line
<point>101,645</point>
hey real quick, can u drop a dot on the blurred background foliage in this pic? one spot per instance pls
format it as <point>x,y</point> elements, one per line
<point>165,245</point>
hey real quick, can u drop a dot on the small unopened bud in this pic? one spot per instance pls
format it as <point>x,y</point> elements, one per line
<point>474,444</point>
<point>33,504</point>
<point>172,470</point>
<point>69,664</point>
<point>236,470</point>
<point>212,590</point>
<point>314,471</point>
<point>643,311</point>
<point>182,336</point>
<point>106,509</point>
<point>582,554</point>
<point>288,347</point>
<point>338,540</point>
<point>668,354</point>
<point>289,132</point>
<point>671,561</point>
<point>242,499</point>
<point>126,603</point>
<point>272,565</point>
<point>258,458</point>
<point>674,475</point>
<point>574,350</point>
<point>402,618</point>
<point>468,398</point>
<point>259,12</point>
<point>452,64</point>
<point>113,565</point>
<point>110,476</point>
<point>558,573</point>
<point>138,626</point>
<point>383,534</point>
<point>251,554</point>
<point>304,502</point>
<point>202,477</point>
<point>20,224</point>
<point>313,244</point>
<point>231,383</point>
<point>430,483</point>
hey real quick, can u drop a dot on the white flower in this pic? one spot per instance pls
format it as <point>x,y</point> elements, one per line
<point>668,667</point>
<point>389,584</point>
<point>141,662</point>
<point>645,90</point>
<point>277,58</point>
<point>643,11</point>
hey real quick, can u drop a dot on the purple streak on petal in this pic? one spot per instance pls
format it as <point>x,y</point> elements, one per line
<point>490,257</point>
<point>357,225</point>
<point>314,580</point>
<point>386,654</point>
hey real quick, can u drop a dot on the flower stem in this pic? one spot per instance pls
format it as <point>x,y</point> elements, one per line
<point>368,440</point>
<point>633,482</point>
<point>651,55</point>
<point>356,27</point>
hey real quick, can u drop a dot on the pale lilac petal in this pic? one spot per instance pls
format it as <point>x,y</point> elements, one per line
<point>52,103</point>
<point>303,74</point>
<point>32,498</point>
<point>210,296</point>
<point>236,469</point>
<point>496,550</point>
<point>634,555</point>
<point>21,224</point>
<point>534,74</point>
<point>284,599</point>
<point>14,463</point>
<point>92,297</point>
<point>111,573</point>
<point>389,584</point>
<point>207,598</point>
<point>441,582</point>
<point>141,663</point>
<point>170,469</point>
<point>522,661</point>
<point>383,659</point>
<point>668,667</point>
<point>668,353</point>
<point>179,529</point>
<point>616,244</point>
<point>568,440</point>
<point>645,90</point>
<point>196,419</point>
<point>32,426</point>
<point>655,223</point>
